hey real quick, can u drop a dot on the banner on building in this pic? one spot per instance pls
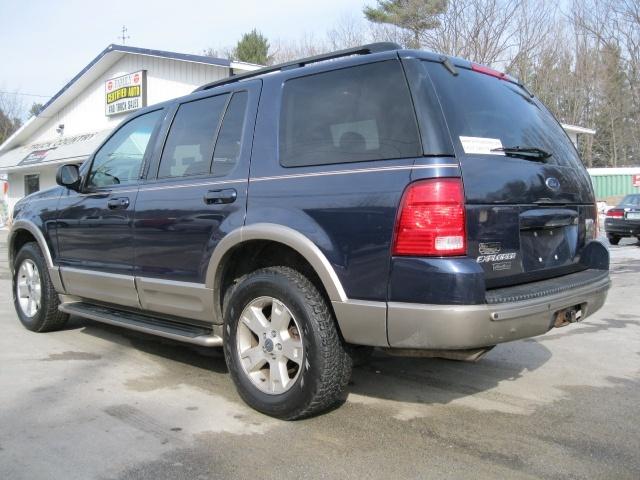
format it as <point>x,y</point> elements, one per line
<point>126,93</point>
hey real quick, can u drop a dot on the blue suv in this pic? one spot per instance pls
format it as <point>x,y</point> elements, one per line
<point>299,215</point>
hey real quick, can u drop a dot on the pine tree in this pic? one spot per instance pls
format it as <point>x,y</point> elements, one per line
<point>253,47</point>
<point>416,16</point>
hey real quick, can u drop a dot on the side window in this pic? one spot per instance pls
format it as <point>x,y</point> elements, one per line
<point>119,160</point>
<point>189,146</point>
<point>227,151</point>
<point>351,115</point>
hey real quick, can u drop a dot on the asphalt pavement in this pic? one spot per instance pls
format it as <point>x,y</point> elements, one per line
<point>94,401</point>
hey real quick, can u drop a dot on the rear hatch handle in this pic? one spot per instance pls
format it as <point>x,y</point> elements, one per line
<point>548,218</point>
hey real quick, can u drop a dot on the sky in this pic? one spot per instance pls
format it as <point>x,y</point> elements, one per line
<point>43,44</point>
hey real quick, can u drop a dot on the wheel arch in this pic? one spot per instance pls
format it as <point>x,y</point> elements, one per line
<point>277,235</point>
<point>24,231</point>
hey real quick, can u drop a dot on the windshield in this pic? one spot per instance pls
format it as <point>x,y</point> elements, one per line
<point>490,116</point>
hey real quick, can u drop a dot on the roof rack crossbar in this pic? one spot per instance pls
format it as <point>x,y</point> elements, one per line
<point>362,50</point>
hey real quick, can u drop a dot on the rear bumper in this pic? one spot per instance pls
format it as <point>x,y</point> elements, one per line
<point>411,325</point>
<point>622,228</point>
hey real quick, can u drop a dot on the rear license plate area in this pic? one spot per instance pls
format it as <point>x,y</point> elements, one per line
<point>548,247</point>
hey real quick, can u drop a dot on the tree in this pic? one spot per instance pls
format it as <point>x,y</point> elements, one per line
<point>416,16</point>
<point>253,47</point>
<point>35,109</point>
<point>10,113</point>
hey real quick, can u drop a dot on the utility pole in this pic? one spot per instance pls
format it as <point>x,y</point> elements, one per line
<point>124,36</point>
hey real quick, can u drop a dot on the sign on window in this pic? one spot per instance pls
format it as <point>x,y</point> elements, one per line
<point>126,93</point>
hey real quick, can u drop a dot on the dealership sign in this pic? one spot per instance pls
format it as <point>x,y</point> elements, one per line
<point>126,93</point>
<point>635,180</point>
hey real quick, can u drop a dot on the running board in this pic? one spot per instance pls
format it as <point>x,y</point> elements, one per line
<point>142,323</point>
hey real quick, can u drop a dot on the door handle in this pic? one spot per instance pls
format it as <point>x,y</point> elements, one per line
<point>217,197</point>
<point>118,203</point>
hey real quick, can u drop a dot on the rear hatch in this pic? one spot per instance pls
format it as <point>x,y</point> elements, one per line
<point>529,200</point>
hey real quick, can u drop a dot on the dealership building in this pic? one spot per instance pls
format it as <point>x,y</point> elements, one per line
<point>79,117</point>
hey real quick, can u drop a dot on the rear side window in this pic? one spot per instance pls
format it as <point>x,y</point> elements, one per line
<point>355,114</point>
<point>227,151</point>
<point>189,146</point>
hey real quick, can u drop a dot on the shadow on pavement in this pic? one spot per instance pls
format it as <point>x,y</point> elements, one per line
<point>201,357</point>
<point>401,379</point>
<point>439,381</point>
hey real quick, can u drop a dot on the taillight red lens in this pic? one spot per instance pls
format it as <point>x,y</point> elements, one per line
<point>488,71</point>
<point>431,220</point>
<point>615,213</point>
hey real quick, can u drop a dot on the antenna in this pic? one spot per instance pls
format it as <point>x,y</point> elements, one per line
<point>124,36</point>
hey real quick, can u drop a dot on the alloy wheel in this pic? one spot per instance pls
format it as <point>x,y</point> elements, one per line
<point>29,288</point>
<point>269,345</point>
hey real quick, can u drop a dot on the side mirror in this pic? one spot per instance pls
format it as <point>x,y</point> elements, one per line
<point>68,176</point>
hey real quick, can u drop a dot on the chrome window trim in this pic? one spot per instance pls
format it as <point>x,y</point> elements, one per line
<point>354,170</point>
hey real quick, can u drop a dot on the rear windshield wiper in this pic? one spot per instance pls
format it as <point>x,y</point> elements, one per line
<point>527,153</point>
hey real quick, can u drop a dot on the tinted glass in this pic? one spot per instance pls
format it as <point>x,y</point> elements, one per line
<point>631,200</point>
<point>189,146</point>
<point>479,105</point>
<point>350,115</point>
<point>229,140</point>
<point>119,160</point>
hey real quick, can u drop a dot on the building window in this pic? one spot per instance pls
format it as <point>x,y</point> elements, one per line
<point>31,184</point>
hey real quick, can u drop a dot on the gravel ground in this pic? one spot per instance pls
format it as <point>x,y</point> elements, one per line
<point>94,401</point>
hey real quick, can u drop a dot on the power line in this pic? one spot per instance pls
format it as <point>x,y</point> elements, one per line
<point>25,94</point>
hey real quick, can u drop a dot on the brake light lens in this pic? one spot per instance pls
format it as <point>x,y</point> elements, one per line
<point>488,71</point>
<point>615,213</point>
<point>431,219</point>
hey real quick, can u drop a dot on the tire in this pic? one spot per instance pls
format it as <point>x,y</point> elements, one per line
<point>301,345</point>
<point>613,240</point>
<point>30,275</point>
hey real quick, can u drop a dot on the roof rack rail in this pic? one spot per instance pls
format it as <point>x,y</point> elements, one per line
<point>362,50</point>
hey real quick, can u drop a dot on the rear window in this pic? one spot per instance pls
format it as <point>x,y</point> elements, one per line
<point>355,114</point>
<point>631,200</point>
<point>486,110</point>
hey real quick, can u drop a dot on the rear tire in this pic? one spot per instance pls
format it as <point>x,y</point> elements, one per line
<point>35,300</point>
<point>282,346</point>
<point>613,240</point>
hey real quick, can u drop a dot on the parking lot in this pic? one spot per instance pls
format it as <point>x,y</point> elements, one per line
<point>94,401</point>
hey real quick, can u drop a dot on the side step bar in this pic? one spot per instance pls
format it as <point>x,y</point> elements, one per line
<point>142,323</point>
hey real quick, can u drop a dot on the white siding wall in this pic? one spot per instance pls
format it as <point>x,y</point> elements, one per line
<point>16,183</point>
<point>166,79</point>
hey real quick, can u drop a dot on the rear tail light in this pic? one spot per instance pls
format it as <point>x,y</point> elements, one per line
<point>431,219</point>
<point>615,213</point>
<point>592,226</point>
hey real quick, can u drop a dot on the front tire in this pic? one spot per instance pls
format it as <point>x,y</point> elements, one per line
<point>34,298</point>
<point>282,346</point>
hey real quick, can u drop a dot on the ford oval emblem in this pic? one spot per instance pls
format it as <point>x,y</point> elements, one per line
<point>552,183</point>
